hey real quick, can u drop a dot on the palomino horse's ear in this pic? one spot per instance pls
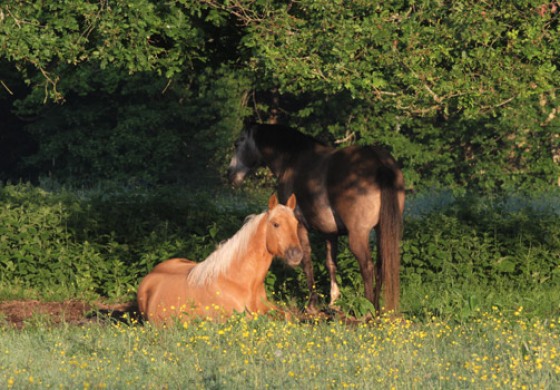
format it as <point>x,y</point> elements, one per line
<point>292,202</point>
<point>272,202</point>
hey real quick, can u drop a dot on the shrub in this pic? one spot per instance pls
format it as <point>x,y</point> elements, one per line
<point>458,256</point>
<point>477,241</point>
<point>101,242</point>
<point>37,249</point>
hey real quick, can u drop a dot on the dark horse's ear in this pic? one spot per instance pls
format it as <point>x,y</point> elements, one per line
<point>272,202</point>
<point>292,202</point>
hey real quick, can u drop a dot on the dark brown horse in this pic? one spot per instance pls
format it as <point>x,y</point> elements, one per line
<point>340,191</point>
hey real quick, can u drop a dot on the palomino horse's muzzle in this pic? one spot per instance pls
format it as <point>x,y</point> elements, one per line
<point>293,256</point>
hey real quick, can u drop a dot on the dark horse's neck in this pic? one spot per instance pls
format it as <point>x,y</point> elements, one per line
<point>281,145</point>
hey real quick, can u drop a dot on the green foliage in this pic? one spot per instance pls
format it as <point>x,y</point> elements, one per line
<point>465,94</point>
<point>422,58</point>
<point>136,36</point>
<point>137,129</point>
<point>484,243</point>
<point>459,255</point>
<point>103,242</point>
<point>37,247</point>
<point>478,251</point>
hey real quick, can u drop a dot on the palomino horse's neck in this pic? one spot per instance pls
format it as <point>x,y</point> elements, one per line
<point>251,265</point>
<point>235,255</point>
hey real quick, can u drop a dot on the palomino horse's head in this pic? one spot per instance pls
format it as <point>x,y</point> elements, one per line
<point>281,231</point>
<point>246,157</point>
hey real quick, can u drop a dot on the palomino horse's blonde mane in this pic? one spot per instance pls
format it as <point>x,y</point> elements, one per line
<point>219,261</point>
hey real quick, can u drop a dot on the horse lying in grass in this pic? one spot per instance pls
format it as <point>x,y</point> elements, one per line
<point>231,279</point>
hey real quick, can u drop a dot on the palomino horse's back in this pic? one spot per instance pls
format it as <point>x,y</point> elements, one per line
<point>174,266</point>
<point>150,292</point>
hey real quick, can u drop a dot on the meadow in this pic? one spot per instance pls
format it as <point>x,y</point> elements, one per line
<point>480,297</point>
<point>489,351</point>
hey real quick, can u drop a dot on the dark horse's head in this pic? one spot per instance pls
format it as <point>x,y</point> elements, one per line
<point>245,158</point>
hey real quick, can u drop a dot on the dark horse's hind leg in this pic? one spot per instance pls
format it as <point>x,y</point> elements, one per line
<point>358,242</point>
<point>308,269</point>
<point>378,274</point>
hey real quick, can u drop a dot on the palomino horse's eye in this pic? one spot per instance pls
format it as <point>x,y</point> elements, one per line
<point>276,225</point>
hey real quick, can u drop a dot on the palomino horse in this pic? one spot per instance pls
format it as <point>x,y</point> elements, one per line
<point>340,191</point>
<point>231,279</point>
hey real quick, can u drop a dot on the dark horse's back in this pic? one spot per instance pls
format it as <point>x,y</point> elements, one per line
<point>357,178</point>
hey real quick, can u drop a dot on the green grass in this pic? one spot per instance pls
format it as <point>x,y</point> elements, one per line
<point>463,302</point>
<point>480,297</point>
<point>489,351</point>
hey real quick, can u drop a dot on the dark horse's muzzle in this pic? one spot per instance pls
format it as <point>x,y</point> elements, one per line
<point>293,256</point>
<point>235,176</point>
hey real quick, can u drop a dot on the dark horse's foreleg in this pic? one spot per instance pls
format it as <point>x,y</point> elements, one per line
<point>308,269</point>
<point>332,252</point>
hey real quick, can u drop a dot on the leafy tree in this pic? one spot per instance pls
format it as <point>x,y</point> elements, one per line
<point>464,92</point>
<point>122,89</point>
<point>470,86</point>
<point>137,36</point>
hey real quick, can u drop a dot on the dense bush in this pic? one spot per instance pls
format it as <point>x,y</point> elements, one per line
<point>476,242</point>
<point>37,246</point>
<point>459,254</point>
<point>101,242</point>
<point>137,129</point>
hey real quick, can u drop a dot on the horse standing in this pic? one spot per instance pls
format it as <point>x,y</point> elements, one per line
<point>341,191</point>
<point>231,279</point>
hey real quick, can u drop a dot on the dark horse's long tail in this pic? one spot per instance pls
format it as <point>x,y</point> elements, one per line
<point>389,234</point>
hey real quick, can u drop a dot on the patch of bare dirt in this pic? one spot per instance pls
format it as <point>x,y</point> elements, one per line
<point>21,313</point>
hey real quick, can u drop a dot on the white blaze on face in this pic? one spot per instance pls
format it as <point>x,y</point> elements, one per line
<point>245,158</point>
<point>237,170</point>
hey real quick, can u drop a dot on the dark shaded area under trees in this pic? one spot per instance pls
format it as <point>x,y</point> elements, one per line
<point>144,92</point>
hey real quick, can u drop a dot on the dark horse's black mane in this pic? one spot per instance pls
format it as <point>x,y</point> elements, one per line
<point>283,138</point>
